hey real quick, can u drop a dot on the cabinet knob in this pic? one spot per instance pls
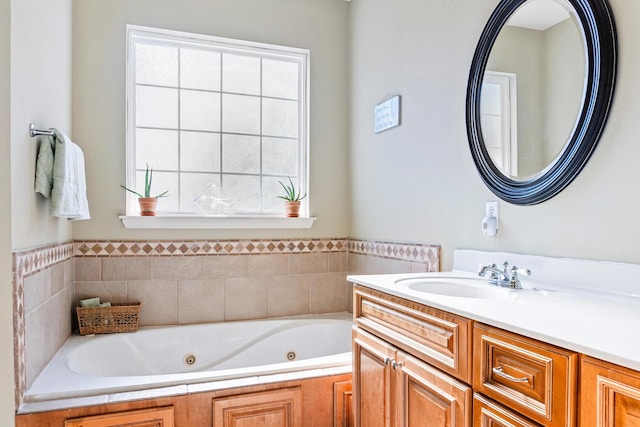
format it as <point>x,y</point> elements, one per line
<point>396,365</point>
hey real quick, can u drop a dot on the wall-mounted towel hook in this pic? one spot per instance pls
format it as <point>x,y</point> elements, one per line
<point>35,132</point>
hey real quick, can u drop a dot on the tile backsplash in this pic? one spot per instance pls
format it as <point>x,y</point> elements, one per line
<point>43,291</point>
<point>190,289</point>
<point>182,282</point>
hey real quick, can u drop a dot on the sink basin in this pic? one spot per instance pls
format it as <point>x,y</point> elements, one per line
<point>458,287</point>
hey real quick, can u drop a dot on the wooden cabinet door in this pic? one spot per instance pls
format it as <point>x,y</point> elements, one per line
<point>155,417</point>
<point>372,380</point>
<point>427,397</point>
<point>609,395</point>
<point>343,404</point>
<point>276,408</point>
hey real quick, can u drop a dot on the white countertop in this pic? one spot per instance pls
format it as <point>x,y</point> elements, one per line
<point>603,325</point>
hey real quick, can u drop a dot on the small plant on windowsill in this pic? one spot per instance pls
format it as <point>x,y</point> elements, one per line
<point>146,201</point>
<point>292,199</point>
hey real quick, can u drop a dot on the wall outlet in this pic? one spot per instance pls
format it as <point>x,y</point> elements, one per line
<point>492,210</point>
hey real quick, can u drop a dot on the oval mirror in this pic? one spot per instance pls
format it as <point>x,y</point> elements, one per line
<point>539,93</point>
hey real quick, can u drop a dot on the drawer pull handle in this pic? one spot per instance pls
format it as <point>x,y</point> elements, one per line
<point>386,361</point>
<point>498,371</point>
<point>396,365</point>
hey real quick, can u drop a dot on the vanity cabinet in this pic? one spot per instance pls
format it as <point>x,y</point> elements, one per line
<point>609,395</point>
<point>437,337</point>
<point>414,364</point>
<point>534,379</point>
<point>396,346</point>
<point>394,389</point>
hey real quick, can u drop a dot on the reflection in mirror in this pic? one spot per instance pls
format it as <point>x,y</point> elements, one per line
<point>533,88</point>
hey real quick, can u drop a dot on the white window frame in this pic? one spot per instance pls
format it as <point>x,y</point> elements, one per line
<point>188,220</point>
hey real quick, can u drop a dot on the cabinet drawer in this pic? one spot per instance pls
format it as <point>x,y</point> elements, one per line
<point>437,337</point>
<point>488,413</point>
<point>535,379</point>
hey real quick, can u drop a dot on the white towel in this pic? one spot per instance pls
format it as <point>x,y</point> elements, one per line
<point>69,193</point>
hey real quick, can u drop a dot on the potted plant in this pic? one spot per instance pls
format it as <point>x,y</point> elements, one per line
<point>292,199</point>
<point>146,201</point>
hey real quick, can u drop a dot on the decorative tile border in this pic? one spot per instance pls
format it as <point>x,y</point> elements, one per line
<point>25,264</point>
<point>412,252</point>
<point>204,247</point>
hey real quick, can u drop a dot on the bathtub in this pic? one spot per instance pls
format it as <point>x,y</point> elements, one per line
<point>171,360</point>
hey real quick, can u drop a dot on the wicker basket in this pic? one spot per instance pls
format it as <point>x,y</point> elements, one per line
<point>108,320</point>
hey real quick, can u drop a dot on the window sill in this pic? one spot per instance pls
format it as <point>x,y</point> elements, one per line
<point>214,222</point>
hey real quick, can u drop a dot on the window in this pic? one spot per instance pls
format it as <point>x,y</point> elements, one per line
<point>220,121</point>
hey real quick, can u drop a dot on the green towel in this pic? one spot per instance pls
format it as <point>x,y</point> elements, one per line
<point>44,167</point>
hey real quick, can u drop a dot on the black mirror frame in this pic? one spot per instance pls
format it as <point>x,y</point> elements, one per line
<point>598,26</point>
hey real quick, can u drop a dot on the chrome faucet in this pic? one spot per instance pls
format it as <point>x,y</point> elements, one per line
<point>506,278</point>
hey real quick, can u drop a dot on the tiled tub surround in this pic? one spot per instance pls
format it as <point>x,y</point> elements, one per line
<point>181,282</point>
<point>43,292</point>
<point>194,289</point>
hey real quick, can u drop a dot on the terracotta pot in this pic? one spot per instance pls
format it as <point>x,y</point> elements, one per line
<point>147,205</point>
<point>292,208</point>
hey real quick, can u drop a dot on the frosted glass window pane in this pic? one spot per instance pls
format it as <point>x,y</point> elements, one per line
<point>200,152</point>
<point>240,74</point>
<point>157,65</point>
<point>199,110</point>
<point>279,118</point>
<point>271,190</point>
<point>156,107</point>
<point>240,114</point>
<point>158,148</point>
<point>242,191</point>
<point>195,185</point>
<point>279,156</point>
<point>280,79</point>
<point>162,181</point>
<point>240,154</point>
<point>199,69</point>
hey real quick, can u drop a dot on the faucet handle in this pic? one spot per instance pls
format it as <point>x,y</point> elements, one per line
<point>506,268</point>
<point>514,281</point>
<point>523,271</point>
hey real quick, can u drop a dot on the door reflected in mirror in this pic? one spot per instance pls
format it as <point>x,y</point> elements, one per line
<point>533,88</point>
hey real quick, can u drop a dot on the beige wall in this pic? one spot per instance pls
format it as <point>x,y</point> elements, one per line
<point>40,93</point>
<point>6,330</point>
<point>418,181</point>
<point>99,97</point>
<point>35,86</point>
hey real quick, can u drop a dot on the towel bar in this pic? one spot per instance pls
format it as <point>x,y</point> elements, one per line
<point>35,132</point>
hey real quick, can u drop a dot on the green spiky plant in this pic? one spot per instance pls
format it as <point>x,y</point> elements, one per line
<point>290,192</point>
<point>148,178</point>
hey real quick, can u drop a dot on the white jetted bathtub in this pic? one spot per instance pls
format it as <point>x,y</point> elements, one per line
<point>232,353</point>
